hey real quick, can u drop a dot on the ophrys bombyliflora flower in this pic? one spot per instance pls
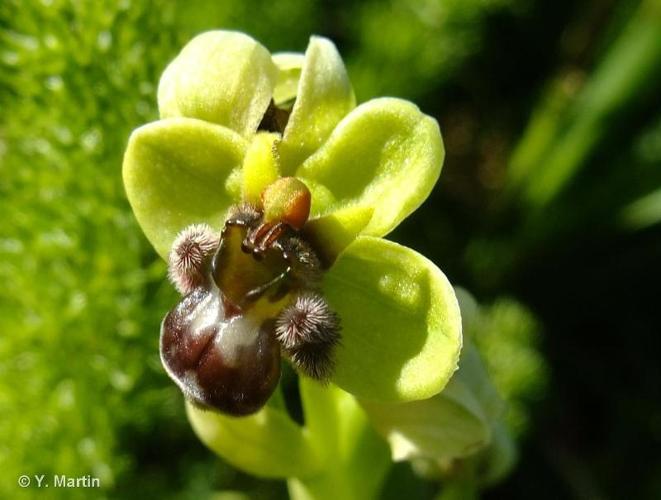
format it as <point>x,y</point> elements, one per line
<point>235,120</point>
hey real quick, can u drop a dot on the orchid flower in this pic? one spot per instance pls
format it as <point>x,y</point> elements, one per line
<point>239,127</point>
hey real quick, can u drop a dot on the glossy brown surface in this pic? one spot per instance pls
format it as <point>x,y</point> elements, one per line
<point>228,364</point>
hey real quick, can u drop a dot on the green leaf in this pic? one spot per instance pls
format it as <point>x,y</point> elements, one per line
<point>175,174</point>
<point>385,154</point>
<point>499,458</point>
<point>289,66</point>
<point>473,377</point>
<point>453,424</point>
<point>266,444</point>
<point>470,311</point>
<point>223,77</point>
<point>323,97</point>
<point>401,326</point>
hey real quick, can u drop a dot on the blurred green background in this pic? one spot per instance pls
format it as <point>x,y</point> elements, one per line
<point>548,211</point>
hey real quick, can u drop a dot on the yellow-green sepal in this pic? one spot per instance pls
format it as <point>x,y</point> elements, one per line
<point>176,173</point>
<point>386,154</point>
<point>266,444</point>
<point>323,97</point>
<point>401,325</point>
<point>223,77</point>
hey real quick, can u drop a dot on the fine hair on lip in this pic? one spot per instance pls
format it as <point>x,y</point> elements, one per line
<point>308,331</point>
<point>189,256</point>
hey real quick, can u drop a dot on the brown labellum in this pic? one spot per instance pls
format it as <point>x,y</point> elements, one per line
<point>231,364</point>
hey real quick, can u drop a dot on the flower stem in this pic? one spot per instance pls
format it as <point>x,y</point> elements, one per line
<point>355,458</point>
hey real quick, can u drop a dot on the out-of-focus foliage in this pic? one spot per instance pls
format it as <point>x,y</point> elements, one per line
<point>82,391</point>
<point>507,336</point>
<point>408,46</point>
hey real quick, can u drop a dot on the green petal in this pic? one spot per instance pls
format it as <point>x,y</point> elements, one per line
<point>331,234</point>
<point>223,77</point>
<point>175,174</point>
<point>401,326</point>
<point>266,444</point>
<point>385,154</point>
<point>438,428</point>
<point>324,96</point>
<point>453,424</point>
<point>289,66</point>
<point>259,166</point>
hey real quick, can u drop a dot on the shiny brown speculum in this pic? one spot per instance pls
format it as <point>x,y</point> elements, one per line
<point>230,363</point>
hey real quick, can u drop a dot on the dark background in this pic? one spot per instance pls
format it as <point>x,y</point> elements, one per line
<point>550,196</point>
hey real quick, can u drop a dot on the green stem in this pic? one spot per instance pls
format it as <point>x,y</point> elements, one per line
<point>355,458</point>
